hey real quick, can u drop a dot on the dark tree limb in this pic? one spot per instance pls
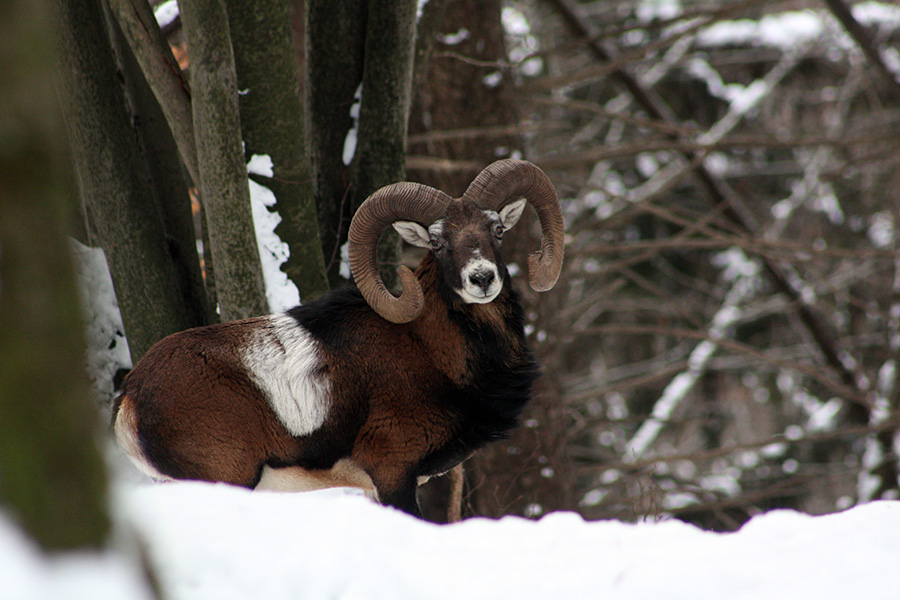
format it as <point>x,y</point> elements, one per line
<point>864,40</point>
<point>170,181</point>
<point>380,157</point>
<point>116,184</point>
<point>426,36</point>
<point>136,19</point>
<point>334,72</point>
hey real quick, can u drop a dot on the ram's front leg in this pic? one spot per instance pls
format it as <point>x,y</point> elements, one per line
<point>394,479</point>
<point>396,486</point>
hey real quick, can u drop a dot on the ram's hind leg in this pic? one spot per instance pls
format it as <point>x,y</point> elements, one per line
<point>344,473</point>
<point>126,431</point>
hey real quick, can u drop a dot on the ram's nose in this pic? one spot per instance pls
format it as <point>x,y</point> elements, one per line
<point>483,279</point>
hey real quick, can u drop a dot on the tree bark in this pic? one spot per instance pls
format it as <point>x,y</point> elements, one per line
<point>115,181</point>
<point>380,157</point>
<point>170,184</point>
<point>224,186</point>
<point>50,465</point>
<point>135,17</point>
<point>334,73</point>
<point>453,95</point>
<point>272,120</point>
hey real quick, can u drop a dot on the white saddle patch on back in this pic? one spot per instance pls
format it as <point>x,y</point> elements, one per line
<point>283,361</point>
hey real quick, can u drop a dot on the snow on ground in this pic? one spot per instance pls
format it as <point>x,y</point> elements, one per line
<point>216,542</point>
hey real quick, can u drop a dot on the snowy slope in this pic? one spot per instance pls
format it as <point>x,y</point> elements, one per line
<point>215,542</point>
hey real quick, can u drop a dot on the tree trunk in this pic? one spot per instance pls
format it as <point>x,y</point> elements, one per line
<point>135,17</point>
<point>115,181</point>
<point>224,186</point>
<point>170,184</point>
<point>272,120</point>
<point>50,465</point>
<point>380,157</point>
<point>334,73</point>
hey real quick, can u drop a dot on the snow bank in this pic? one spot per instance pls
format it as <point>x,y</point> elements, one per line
<point>218,542</point>
<point>27,574</point>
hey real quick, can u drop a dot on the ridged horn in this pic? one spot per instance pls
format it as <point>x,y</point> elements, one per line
<point>507,180</point>
<point>396,202</point>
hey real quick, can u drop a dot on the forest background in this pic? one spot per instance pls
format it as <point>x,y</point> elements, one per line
<point>724,337</point>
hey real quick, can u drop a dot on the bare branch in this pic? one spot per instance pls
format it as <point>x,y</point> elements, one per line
<point>864,39</point>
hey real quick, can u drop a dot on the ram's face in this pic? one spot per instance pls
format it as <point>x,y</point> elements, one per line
<point>466,243</point>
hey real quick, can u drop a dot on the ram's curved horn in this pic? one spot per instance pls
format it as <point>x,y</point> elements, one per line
<point>397,202</point>
<point>506,180</point>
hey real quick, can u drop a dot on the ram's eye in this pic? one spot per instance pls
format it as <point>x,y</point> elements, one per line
<point>435,244</point>
<point>498,231</point>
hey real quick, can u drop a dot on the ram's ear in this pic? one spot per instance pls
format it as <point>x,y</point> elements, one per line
<point>510,214</point>
<point>413,233</point>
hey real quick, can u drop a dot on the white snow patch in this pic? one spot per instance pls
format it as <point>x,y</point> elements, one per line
<point>781,30</point>
<point>881,229</point>
<point>452,39</point>
<point>107,349</point>
<point>791,29</point>
<point>514,21</point>
<point>29,574</point>
<point>877,13</point>
<point>344,268</point>
<point>492,80</point>
<point>166,13</point>
<point>650,10</point>
<point>353,133</point>
<point>824,416</point>
<point>419,8</point>
<point>261,164</point>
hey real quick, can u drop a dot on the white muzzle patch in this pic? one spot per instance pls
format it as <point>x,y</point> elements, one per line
<point>481,281</point>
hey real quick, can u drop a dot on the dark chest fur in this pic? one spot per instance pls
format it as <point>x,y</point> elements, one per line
<point>502,373</point>
<point>480,406</point>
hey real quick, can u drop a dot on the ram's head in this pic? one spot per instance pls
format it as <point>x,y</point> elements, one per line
<point>463,233</point>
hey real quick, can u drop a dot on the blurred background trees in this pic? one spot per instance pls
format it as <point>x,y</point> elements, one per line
<point>725,338</point>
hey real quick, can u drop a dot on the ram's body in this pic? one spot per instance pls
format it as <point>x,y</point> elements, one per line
<point>399,401</point>
<point>358,388</point>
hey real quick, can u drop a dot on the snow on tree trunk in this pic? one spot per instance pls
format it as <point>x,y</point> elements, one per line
<point>273,124</point>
